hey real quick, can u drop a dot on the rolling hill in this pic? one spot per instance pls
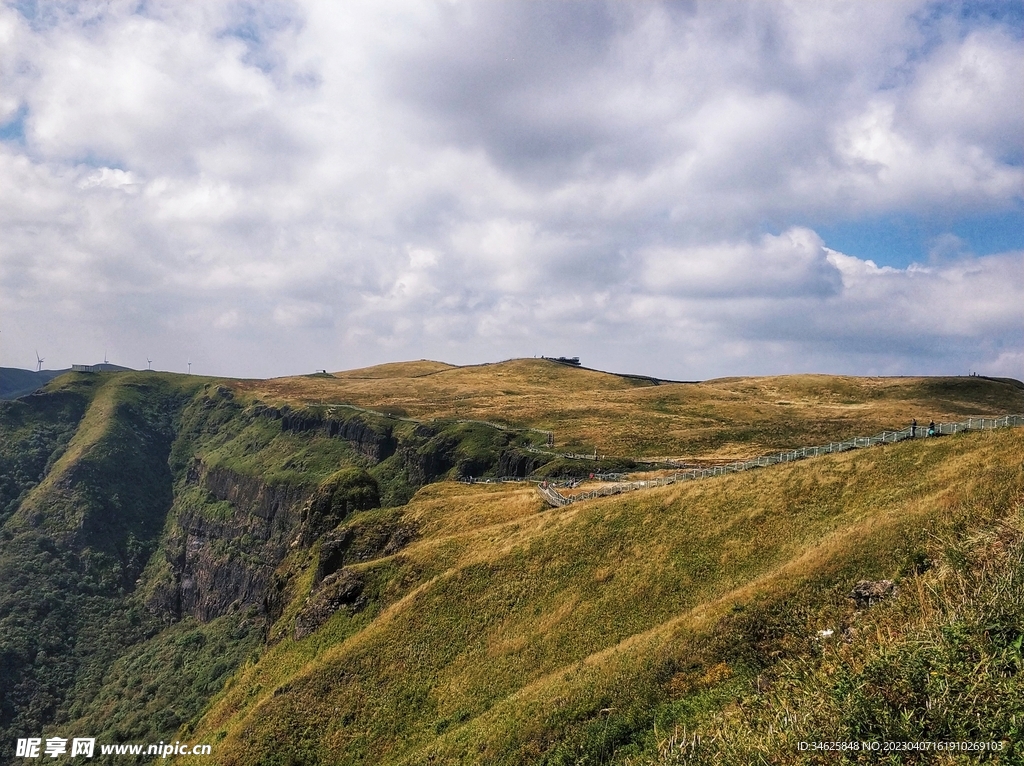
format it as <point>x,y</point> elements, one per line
<point>505,635</point>
<point>15,382</point>
<point>285,569</point>
<point>628,416</point>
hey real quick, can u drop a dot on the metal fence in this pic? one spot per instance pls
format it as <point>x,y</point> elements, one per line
<point>886,437</point>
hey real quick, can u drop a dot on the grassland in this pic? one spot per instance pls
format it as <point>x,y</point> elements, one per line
<point>507,635</point>
<point>162,539</point>
<point>635,417</point>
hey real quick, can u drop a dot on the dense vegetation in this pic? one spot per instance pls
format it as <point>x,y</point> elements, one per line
<point>277,568</point>
<point>89,463</point>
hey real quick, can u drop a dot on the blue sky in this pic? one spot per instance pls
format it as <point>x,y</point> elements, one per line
<point>683,189</point>
<point>900,240</point>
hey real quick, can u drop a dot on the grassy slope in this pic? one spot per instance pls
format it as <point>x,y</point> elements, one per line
<point>35,433</point>
<point>506,635</point>
<point>941,661</point>
<point>631,417</point>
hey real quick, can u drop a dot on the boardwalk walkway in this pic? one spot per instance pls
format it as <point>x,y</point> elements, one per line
<point>556,499</point>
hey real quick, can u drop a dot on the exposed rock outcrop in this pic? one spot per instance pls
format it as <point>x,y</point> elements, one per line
<point>359,542</point>
<point>868,592</point>
<point>513,462</point>
<point>375,444</point>
<point>223,563</point>
<point>349,490</point>
<point>342,589</point>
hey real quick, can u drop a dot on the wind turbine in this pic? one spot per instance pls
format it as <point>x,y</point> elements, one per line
<point>149,363</point>
<point>39,362</point>
<point>189,366</point>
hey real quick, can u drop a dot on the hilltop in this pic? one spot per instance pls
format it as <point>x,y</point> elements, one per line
<point>285,568</point>
<point>15,383</point>
<point>628,416</point>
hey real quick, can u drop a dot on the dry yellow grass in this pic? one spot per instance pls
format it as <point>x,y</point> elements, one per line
<point>633,417</point>
<point>506,625</point>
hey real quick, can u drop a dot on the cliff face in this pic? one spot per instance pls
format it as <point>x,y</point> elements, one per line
<point>221,564</point>
<point>234,524</point>
<point>217,565</point>
<point>375,444</point>
<point>233,521</point>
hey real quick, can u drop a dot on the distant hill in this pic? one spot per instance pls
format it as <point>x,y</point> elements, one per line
<point>633,416</point>
<point>15,382</point>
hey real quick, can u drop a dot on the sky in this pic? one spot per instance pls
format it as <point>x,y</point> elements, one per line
<point>681,189</point>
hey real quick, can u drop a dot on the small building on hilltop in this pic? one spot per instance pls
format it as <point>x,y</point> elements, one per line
<point>102,367</point>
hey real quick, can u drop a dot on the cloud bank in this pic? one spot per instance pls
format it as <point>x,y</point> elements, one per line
<point>271,188</point>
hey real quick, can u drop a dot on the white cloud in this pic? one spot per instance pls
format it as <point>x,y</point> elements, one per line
<point>481,180</point>
<point>886,168</point>
<point>791,264</point>
<point>110,178</point>
<point>970,298</point>
<point>295,314</point>
<point>972,92</point>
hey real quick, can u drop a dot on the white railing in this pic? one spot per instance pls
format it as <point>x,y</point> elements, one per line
<point>557,499</point>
